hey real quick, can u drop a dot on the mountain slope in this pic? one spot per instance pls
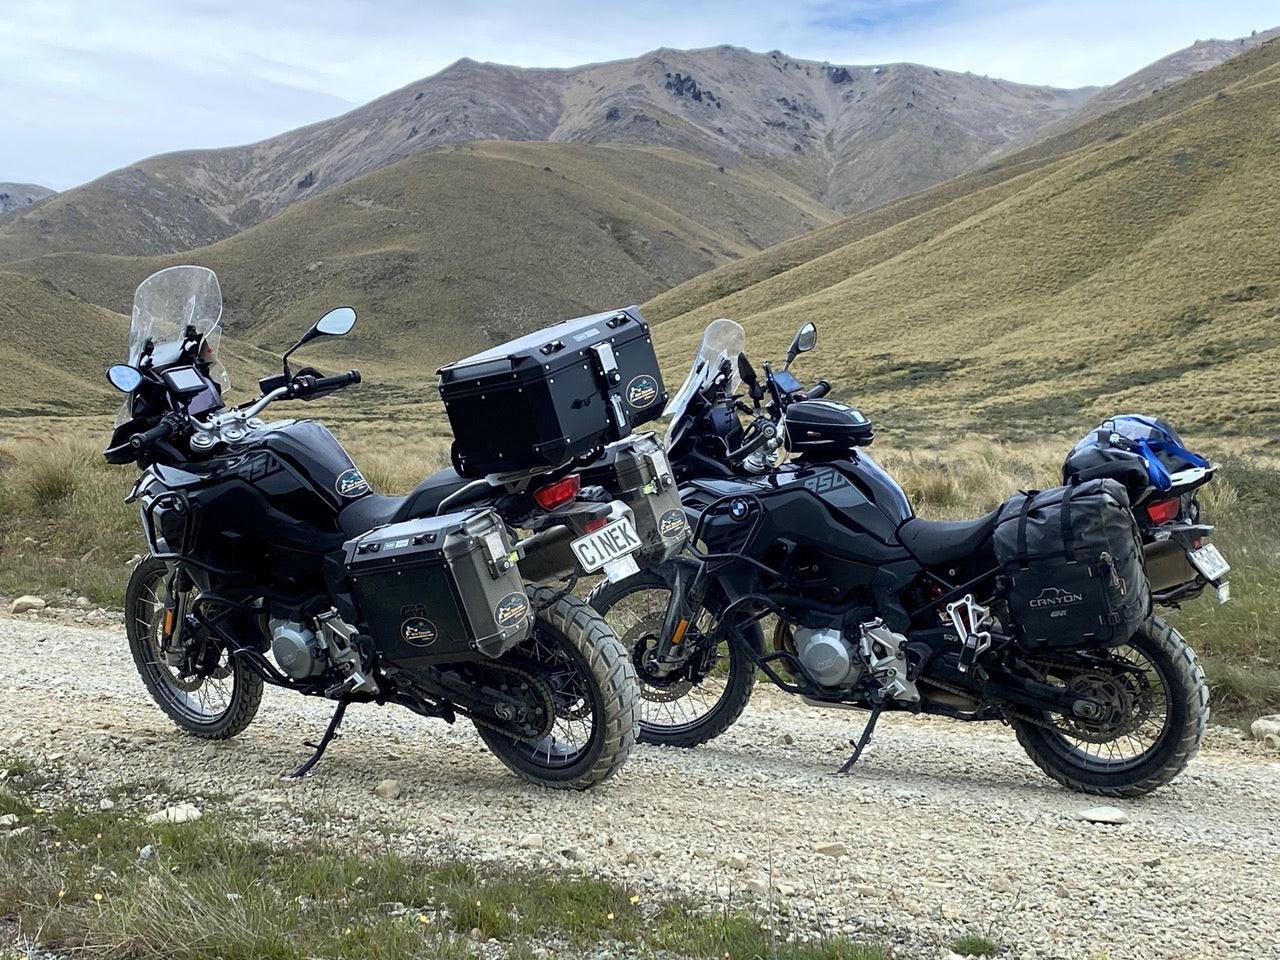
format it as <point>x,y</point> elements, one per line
<point>461,248</point>
<point>17,196</point>
<point>1135,268</point>
<point>852,137</point>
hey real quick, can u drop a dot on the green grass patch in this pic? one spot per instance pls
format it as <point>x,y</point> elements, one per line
<point>975,945</point>
<point>107,884</point>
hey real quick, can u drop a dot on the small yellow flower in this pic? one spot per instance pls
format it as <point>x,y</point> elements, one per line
<point>57,844</point>
<point>97,898</point>
<point>634,899</point>
<point>61,894</point>
<point>423,919</point>
<point>609,916</point>
<point>346,932</point>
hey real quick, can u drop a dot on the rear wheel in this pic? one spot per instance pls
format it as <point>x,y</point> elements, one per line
<point>210,694</point>
<point>592,688</point>
<point>702,699</point>
<point>1156,708</point>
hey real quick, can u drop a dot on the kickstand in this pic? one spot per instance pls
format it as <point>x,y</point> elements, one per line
<point>330,732</point>
<point>863,740</point>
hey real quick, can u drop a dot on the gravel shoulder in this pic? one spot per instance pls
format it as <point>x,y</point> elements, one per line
<point>948,827</point>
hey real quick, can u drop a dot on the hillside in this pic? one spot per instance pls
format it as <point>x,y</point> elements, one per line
<point>18,196</point>
<point>1129,263</point>
<point>461,248</point>
<point>851,137</point>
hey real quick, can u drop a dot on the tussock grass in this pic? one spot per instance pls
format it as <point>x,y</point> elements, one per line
<point>76,535</point>
<point>213,889</point>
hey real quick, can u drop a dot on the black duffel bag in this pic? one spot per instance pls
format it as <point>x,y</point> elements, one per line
<point>1073,562</point>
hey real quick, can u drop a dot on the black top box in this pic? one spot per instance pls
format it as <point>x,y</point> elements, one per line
<point>542,400</point>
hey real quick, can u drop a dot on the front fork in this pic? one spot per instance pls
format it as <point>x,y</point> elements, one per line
<point>688,588</point>
<point>173,617</point>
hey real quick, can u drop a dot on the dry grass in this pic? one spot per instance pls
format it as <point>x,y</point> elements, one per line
<point>1130,264</point>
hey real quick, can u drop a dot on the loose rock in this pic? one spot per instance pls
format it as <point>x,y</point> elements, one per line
<point>836,849</point>
<point>106,803</point>
<point>1110,815</point>
<point>1260,728</point>
<point>389,789</point>
<point>179,813</point>
<point>27,604</point>
<point>532,841</point>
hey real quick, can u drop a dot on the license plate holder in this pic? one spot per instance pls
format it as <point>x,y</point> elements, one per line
<point>603,548</point>
<point>1210,562</point>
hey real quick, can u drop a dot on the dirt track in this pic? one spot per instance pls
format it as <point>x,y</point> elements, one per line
<point>949,827</point>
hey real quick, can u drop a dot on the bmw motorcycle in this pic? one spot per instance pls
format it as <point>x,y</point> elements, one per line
<point>872,606</point>
<point>272,562</point>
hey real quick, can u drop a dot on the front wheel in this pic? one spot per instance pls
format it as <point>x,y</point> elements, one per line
<point>210,694</point>
<point>1156,710</point>
<point>593,689</point>
<point>702,699</point>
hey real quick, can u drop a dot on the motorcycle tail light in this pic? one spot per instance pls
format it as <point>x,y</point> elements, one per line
<point>1164,511</point>
<point>591,526</point>
<point>559,493</point>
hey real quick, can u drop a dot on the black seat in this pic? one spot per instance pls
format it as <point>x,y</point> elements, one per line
<point>375,510</point>
<point>936,542</point>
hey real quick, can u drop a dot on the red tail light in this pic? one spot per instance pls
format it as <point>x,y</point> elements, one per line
<point>591,526</point>
<point>1163,511</point>
<point>559,493</point>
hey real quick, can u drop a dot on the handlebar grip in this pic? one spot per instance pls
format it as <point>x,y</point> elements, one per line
<point>818,390</point>
<point>161,431</point>
<point>338,381</point>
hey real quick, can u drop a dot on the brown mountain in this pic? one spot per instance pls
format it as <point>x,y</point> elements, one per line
<point>851,137</point>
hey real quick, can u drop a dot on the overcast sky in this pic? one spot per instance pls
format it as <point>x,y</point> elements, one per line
<point>87,86</point>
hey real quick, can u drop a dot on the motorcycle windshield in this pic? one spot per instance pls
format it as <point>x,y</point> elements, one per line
<point>722,340</point>
<point>165,305</point>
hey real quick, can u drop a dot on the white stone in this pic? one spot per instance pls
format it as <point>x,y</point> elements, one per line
<point>8,821</point>
<point>757,885</point>
<point>178,813</point>
<point>106,803</point>
<point>389,789</point>
<point>1111,815</point>
<point>1259,728</point>
<point>27,604</point>
<point>737,861</point>
<point>532,841</point>
<point>835,849</point>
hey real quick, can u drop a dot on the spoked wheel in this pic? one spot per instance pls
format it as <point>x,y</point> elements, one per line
<point>588,685</point>
<point>1155,706</point>
<point>209,694</point>
<point>705,696</point>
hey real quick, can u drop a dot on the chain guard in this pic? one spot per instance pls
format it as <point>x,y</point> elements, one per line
<point>544,693</point>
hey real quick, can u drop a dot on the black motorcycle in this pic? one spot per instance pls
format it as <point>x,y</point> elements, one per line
<point>272,561</point>
<point>1036,614</point>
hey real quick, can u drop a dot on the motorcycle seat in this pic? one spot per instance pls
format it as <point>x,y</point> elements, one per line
<point>376,510</point>
<point>936,542</point>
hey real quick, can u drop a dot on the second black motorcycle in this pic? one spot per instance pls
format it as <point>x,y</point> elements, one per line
<point>1038,614</point>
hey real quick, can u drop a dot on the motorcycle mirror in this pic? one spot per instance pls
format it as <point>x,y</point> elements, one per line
<point>746,372</point>
<point>336,323</point>
<point>124,377</point>
<point>806,339</point>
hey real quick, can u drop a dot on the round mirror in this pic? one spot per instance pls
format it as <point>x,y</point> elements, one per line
<point>337,322</point>
<point>806,338</point>
<point>124,377</point>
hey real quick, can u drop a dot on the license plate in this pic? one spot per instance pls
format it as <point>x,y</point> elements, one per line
<point>1210,562</point>
<point>606,545</point>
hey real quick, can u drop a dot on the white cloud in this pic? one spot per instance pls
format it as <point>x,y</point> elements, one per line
<point>87,86</point>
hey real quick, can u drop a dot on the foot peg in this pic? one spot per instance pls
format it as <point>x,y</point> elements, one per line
<point>971,621</point>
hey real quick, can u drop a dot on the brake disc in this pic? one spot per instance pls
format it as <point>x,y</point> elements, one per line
<point>655,687</point>
<point>1125,696</point>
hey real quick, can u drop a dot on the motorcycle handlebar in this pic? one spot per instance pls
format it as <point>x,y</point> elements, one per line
<point>818,390</point>
<point>308,386</point>
<point>161,431</point>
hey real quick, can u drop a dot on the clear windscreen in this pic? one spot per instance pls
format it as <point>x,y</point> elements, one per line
<point>165,305</point>
<point>723,339</point>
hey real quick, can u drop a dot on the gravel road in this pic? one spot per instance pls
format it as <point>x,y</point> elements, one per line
<point>949,827</point>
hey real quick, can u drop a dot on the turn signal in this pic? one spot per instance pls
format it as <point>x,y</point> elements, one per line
<point>559,493</point>
<point>1163,511</point>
